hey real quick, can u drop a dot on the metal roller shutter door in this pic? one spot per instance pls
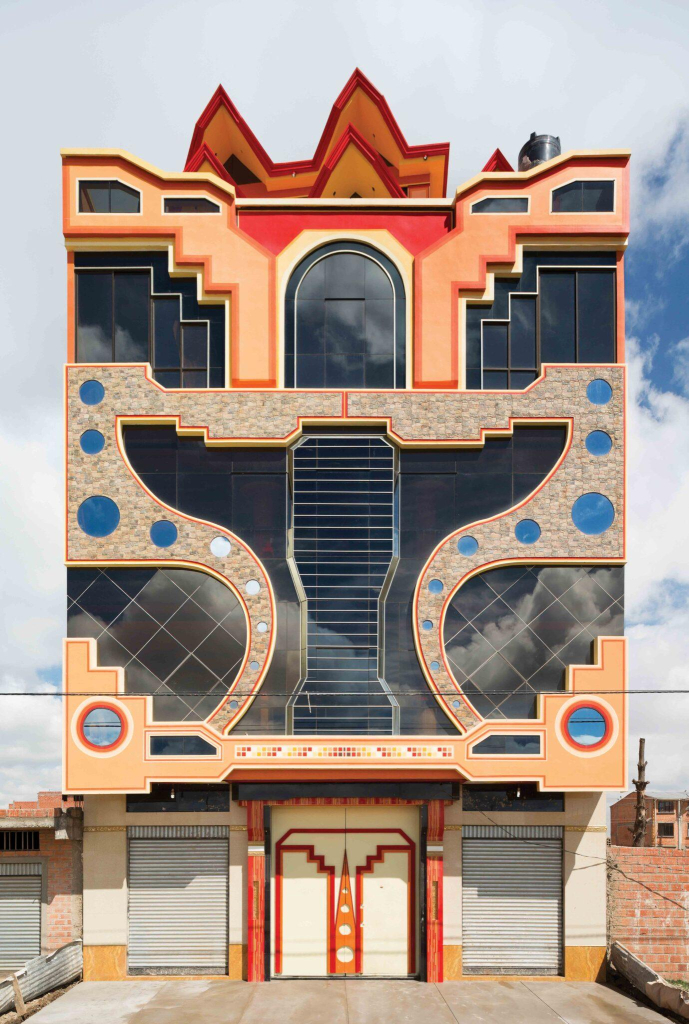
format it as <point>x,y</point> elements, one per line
<point>512,905</point>
<point>20,917</point>
<point>178,904</point>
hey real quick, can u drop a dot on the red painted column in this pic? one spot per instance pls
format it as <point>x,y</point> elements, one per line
<point>434,890</point>
<point>256,892</point>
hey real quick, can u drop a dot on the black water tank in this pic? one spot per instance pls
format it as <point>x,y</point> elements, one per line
<point>538,149</point>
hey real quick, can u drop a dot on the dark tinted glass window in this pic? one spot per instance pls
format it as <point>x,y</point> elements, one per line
<point>577,316</point>
<point>511,633</point>
<point>180,798</point>
<point>179,635</point>
<point>522,797</point>
<point>666,807</point>
<point>558,326</point>
<point>504,743</point>
<point>596,316</point>
<point>345,321</point>
<point>132,307</point>
<point>666,830</point>
<point>94,317</point>
<point>585,197</point>
<point>181,746</point>
<point>108,197</point>
<point>189,204</point>
<point>501,204</point>
<point>127,314</point>
<point>555,312</point>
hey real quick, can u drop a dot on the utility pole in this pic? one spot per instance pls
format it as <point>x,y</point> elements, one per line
<point>639,830</point>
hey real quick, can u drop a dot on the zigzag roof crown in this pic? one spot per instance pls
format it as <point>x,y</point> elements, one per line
<point>362,153</point>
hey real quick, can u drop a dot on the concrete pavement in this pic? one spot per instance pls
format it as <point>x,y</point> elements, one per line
<point>147,1001</point>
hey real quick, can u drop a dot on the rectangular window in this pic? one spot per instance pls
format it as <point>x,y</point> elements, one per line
<point>112,316</point>
<point>577,316</point>
<point>666,830</point>
<point>185,798</point>
<point>108,197</point>
<point>129,310</point>
<point>13,840</point>
<point>116,318</point>
<point>513,797</point>
<point>189,204</point>
<point>501,204</point>
<point>504,743</point>
<point>181,746</point>
<point>584,197</point>
<point>666,807</point>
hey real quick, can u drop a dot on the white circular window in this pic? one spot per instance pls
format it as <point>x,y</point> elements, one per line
<point>220,547</point>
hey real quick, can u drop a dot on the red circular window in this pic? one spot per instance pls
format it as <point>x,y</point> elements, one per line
<point>102,727</point>
<point>587,726</point>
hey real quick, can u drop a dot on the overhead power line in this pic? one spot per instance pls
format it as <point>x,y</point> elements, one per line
<point>321,693</point>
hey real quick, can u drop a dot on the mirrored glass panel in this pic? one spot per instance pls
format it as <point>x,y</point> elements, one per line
<point>345,320</point>
<point>510,633</point>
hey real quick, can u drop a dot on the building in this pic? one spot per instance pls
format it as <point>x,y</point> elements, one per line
<point>345,537</point>
<point>40,877</point>
<point>667,817</point>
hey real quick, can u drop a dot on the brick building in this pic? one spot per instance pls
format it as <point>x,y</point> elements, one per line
<point>667,815</point>
<point>647,906</point>
<point>40,877</point>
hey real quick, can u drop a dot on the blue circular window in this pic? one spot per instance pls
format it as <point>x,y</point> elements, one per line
<point>92,392</point>
<point>163,533</point>
<point>598,442</point>
<point>467,545</point>
<point>98,516</point>
<point>102,727</point>
<point>593,513</point>
<point>586,727</point>
<point>427,624</point>
<point>252,587</point>
<point>253,665</point>
<point>435,665</point>
<point>92,442</point>
<point>527,531</point>
<point>455,703</point>
<point>599,392</point>
<point>435,586</point>
<point>234,704</point>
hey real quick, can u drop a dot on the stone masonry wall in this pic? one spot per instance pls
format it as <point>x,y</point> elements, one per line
<point>648,906</point>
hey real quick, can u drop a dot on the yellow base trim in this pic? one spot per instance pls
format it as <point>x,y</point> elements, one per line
<point>582,963</point>
<point>238,960</point>
<point>585,963</point>
<point>109,963</point>
<point>105,963</point>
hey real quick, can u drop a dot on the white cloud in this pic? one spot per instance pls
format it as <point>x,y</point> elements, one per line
<point>657,576</point>
<point>30,738</point>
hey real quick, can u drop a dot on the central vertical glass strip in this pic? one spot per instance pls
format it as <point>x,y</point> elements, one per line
<point>343,545</point>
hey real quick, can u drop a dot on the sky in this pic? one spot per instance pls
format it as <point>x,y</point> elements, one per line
<point>136,75</point>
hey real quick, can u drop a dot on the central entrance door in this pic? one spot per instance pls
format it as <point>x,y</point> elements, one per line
<point>344,891</point>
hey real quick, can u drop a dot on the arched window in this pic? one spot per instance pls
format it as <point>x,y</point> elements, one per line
<point>345,320</point>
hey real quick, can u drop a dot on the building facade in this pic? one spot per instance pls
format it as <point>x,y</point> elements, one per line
<point>40,877</point>
<point>344,663</point>
<point>667,820</point>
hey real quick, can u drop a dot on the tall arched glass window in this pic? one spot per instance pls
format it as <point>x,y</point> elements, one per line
<point>345,320</point>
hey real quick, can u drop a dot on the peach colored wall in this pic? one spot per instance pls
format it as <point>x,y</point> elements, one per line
<point>458,264</point>
<point>234,267</point>
<point>128,769</point>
